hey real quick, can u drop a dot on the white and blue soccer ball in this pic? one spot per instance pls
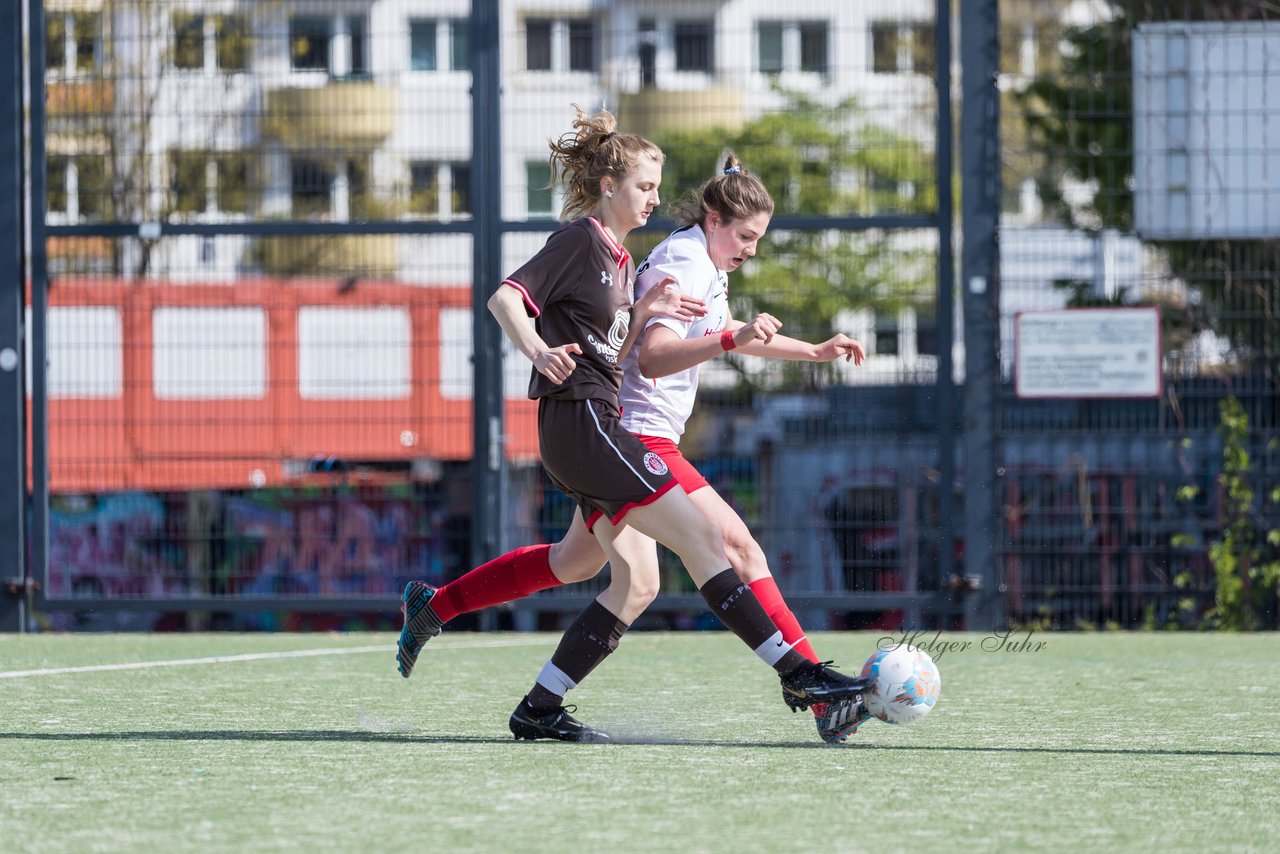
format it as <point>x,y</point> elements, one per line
<point>907,684</point>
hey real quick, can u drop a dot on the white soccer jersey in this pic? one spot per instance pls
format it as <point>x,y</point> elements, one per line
<point>660,407</point>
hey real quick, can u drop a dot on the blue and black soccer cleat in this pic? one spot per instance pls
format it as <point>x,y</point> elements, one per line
<point>420,624</point>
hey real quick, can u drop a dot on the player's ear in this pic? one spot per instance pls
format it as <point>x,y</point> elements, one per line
<point>606,187</point>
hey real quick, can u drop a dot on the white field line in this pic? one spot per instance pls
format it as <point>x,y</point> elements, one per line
<point>259,656</point>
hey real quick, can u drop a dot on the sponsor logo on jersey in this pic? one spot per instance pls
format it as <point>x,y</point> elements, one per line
<point>655,463</point>
<point>617,334</point>
<point>606,278</point>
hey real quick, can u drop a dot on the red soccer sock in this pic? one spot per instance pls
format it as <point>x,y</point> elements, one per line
<point>513,576</point>
<point>766,590</point>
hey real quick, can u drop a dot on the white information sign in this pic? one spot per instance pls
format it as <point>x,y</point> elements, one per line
<point>1088,352</point>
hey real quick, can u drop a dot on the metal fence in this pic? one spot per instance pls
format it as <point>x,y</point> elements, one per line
<point>259,232</point>
<point>1137,174</point>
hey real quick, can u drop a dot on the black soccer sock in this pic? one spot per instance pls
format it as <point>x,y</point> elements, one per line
<point>588,641</point>
<point>740,610</point>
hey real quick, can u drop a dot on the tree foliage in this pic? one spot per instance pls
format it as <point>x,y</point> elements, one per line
<point>821,160</point>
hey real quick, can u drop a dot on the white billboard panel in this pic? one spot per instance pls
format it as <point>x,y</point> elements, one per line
<point>1206,128</point>
<point>1087,352</point>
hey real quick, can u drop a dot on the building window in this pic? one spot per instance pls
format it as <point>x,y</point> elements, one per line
<point>357,46</point>
<point>537,50</point>
<point>902,47</point>
<point>648,52</point>
<point>886,332</point>
<point>311,186</point>
<point>73,42</point>
<point>923,51</point>
<point>769,51</point>
<point>813,47</point>
<point>582,45</point>
<point>338,45</point>
<point>787,46</point>
<point>309,44</point>
<point>439,190</point>
<point>560,44</point>
<point>231,42</point>
<point>693,46</point>
<point>424,188</point>
<point>210,42</point>
<point>539,199</point>
<point>57,196</point>
<point>430,39</point>
<point>926,330</point>
<point>208,182</point>
<point>77,186</point>
<point>188,41</point>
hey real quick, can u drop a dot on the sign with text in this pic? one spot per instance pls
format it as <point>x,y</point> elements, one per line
<point>1088,352</point>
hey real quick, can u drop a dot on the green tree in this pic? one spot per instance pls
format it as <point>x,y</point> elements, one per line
<point>822,160</point>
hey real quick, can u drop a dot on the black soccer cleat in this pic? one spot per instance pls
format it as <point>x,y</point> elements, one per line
<point>818,683</point>
<point>530,723</point>
<point>420,624</point>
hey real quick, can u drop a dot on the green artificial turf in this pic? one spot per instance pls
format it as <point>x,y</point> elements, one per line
<point>1095,742</point>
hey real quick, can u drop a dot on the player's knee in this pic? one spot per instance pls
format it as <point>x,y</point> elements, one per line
<point>572,573</point>
<point>747,558</point>
<point>643,593</point>
<point>573,565</point>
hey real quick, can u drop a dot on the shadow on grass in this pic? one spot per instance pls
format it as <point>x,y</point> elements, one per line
<point>358,736</point>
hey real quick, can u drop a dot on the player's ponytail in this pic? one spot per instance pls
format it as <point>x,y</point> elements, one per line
<point>592,150</point>
<point>734,194</point>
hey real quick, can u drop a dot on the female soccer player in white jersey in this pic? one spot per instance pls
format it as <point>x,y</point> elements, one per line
<point>723,223</point>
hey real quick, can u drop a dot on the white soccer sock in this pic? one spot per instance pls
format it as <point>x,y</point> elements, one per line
<point>773,649</point>
<point>555,680</point>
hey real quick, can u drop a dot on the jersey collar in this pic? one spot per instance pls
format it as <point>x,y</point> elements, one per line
<point>620,254</point>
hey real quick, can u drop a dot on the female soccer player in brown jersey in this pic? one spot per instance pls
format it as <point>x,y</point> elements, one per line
<point>579,290</point>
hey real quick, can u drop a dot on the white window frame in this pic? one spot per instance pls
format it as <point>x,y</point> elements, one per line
<point>445,178</point>
<point>445,30</point>
<point>209,36</point>
<point>791,47</point>
<point>560,44</point>
<point>67,69</point>
<point>340,47</point>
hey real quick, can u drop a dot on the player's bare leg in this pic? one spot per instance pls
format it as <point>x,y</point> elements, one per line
<point>675,521</point>
<point>834,723</point>
<point>593,636</point>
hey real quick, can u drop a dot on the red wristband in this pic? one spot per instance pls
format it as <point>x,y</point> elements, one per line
<point>726,341</point>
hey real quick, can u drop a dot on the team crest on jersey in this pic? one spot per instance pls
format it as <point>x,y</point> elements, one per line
<point>655,463</point>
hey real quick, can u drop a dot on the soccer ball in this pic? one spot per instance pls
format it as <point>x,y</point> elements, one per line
<point>907,684</point>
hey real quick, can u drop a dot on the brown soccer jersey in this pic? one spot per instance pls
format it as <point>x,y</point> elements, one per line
<point>579,289</point>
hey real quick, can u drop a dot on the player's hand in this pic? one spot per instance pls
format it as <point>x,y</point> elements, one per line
<point>666,300</point>
<point>762,329</point>
<point>840,345</point>
<point>556,363</point>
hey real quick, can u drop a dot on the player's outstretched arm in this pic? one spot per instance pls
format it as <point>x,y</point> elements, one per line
<point>793,349</point>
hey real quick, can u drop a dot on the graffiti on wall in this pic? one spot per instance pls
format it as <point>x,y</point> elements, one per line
<point>269,543</point>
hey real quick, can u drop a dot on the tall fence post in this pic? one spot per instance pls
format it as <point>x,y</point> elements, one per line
<point>944,173</point>
<point>488,466</point>
<point>980,272</point>
<point>13,503</point>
